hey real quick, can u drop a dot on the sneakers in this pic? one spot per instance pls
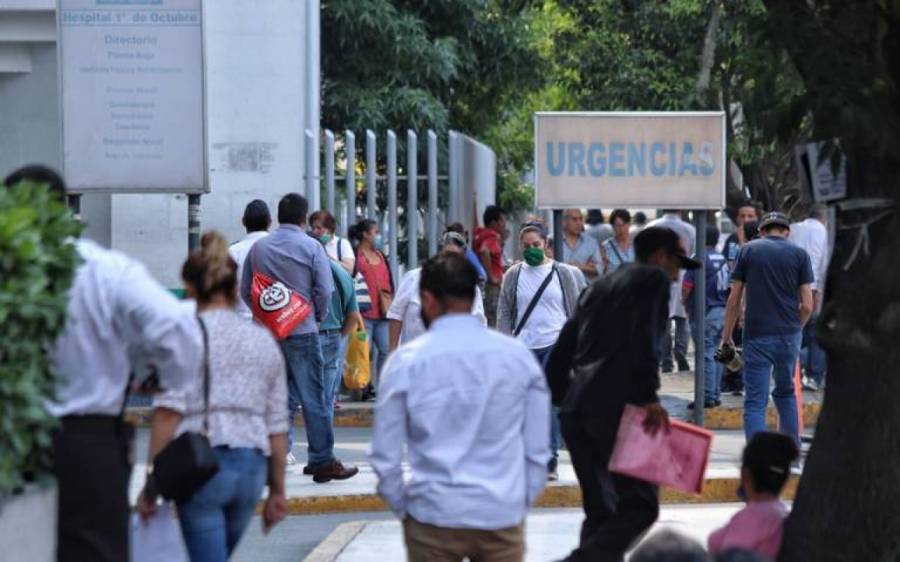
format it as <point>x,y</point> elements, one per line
<point>684,367</point>
<point>552,470</point>
<point>809,384</point>
<point>290,460</point>
<point>334,471</point>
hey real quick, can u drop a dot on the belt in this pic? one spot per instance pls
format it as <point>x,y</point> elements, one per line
<point>329,331</point>
<point>91,422</point>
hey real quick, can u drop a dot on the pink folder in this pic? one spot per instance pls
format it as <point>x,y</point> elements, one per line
<point>676,458</point>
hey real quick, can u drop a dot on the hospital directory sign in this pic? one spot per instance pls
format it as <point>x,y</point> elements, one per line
<point>630,159</point>
<point>131,87</point>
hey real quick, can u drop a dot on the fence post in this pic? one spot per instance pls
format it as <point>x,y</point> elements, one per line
<point>392,200</point>
<point>412,201</point>
<point>432,193</point>
<point>350,180</point>
<point>329,171</point>
<point>453,155</point>
<point>371,185</point>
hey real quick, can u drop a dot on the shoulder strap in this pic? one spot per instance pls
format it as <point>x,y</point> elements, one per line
<point>337,287</point>
<point>337,239</point>
<point>205,375</point>
<point>612,244</point>
<point>535,299</point>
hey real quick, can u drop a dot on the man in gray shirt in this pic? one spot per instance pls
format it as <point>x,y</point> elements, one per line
<point>290,256</point>
<point>579,249</point>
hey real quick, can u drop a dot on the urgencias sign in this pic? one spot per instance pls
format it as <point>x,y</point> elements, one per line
<point>671,160</point>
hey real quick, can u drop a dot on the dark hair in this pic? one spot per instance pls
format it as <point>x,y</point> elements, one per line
<point>537,227</point>
<point>669,546</point>
<point>492,213</point>
<point>457,227</point>
<point>38,174</point>
<point>358,230</point>
<point>819,212</point>
<point>292,209</point>
<point>210,271</point>
<point>748,203</point>
<point>449,276</point>
<point>594,216</point>
<point>640,218</point>
<point>768,457</point>
<point>712,235</point>
<point>620,214</point>
<point>256,216</point>
<point>326,218</point>
<point>739,555</point>
<point>751,230</point>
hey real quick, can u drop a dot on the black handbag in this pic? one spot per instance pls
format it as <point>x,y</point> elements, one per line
<point>188,462</point>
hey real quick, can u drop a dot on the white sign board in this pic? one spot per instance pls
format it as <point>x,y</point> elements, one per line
<point>825,183</point>
<point>131,82</point>
<point>667,160</point>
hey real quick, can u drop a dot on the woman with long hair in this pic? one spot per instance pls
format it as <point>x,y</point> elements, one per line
<point>373,266</point>
<point>246,413</point>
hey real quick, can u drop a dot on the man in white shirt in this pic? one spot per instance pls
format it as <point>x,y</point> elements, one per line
<point>405,314</point>
<point>812,235</point>
<point>257,221</point>
<point>115,311</point>
<point>686,232</point>
<point>471,407</point>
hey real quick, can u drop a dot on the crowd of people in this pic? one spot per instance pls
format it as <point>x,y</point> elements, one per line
<point>481,370</point>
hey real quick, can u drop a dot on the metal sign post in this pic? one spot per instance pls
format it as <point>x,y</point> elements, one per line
<point>699,317</point>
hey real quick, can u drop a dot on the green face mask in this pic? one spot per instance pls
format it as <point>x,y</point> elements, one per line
<point>533,256</point>
<point>326,238</point>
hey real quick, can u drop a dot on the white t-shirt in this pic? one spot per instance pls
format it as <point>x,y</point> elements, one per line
<point>346,249</point>
<point>238,252</point>
<point>549,315</point>
<point>407,306</point>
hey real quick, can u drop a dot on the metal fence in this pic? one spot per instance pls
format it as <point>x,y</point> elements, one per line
<point>476,172</point>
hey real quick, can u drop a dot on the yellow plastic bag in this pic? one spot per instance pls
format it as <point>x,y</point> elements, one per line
<point>357,373</point>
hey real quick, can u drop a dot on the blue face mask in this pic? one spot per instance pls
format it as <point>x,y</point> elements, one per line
<point>378,242</point>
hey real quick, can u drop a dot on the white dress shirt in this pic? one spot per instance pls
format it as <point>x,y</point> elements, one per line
<point>407,306</point>
<point>238,252</point>
<point>472,409</point>
<point>812,236</point>
<point>688,235</point>
<point>116,311</point>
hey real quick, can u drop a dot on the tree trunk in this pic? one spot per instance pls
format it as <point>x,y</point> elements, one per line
<point>847,508</point>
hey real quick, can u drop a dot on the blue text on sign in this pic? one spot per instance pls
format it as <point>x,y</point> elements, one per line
<point>629,159</point>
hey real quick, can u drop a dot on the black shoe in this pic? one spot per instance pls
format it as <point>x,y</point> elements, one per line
<point>552,470</point>
<point>334,471</point>
<point>308,470</point>
<point>707,404</point>
<point>666,370</point>
<point>683,367</point>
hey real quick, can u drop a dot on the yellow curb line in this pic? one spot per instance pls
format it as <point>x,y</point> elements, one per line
<point>715,490</point>
<point>717,418</point>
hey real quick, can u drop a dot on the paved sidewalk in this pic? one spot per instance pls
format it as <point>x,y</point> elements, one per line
<point>550,534</point>
<point>358,493</point>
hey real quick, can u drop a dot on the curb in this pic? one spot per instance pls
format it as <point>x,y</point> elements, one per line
<point>336,541</point>
<point>715,490</point>
<point>717,418</point>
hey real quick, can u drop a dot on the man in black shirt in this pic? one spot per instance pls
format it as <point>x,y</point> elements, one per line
<point>607,356</point>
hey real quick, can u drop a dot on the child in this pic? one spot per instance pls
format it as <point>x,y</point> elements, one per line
<point>765,470</point>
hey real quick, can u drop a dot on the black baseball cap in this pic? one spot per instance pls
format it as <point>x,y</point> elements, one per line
<point>651,239</point>
<point>774,219</point>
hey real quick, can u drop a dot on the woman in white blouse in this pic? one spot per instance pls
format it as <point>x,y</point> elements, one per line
<point>405,314</point>
<point>247,413</point>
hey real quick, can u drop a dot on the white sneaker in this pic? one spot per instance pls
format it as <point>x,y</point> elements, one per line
<point>290,459</point>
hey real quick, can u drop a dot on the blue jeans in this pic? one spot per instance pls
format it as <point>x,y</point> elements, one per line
<point>813,356</point>
<point>679,345</point>
<point>712,369</point>
<point>379,340</point>
<point>307,387</point>
<point>543,355</point>
<point>771,357</point>
<point>215,517</point>
<point>331,354</point>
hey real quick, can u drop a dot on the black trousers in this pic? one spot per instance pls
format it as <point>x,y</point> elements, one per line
<point>618,510</point>
<point>92,467</point>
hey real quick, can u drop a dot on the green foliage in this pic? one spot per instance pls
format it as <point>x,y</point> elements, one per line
<point>37,263</point>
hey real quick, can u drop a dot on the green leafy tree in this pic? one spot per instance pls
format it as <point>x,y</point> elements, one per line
<point>37,263</point>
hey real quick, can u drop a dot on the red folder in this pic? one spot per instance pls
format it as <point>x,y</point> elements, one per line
<point>676,458</point>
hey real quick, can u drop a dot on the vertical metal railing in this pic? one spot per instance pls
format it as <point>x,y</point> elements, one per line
<point>393,223</point>
<point>432,193</point>
<point>312,181</point>
<point>329,172</point>
<point>371,186</point>
<point>453,153</point>
<point>412,201</point>
<point>350,180</point>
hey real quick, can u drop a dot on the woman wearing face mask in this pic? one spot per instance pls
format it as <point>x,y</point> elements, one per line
<point>536,298</point>
<point>322,224</point>
<point>373,266</point>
